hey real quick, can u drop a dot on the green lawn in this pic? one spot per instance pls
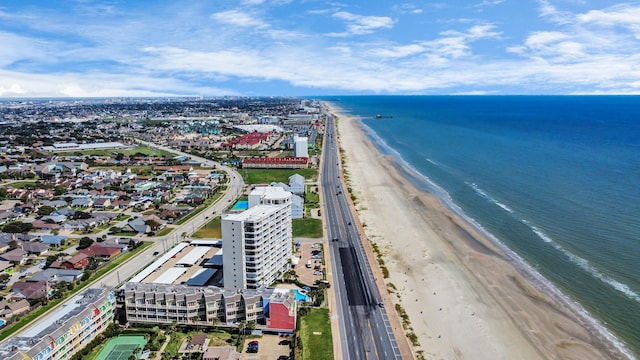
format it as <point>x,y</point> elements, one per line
<point>22,184</point>
<point>316,347</point>
<point>309,228</point>
<point>311,200</point>
<point>128,152</point>
<point>212,229</point>
<point>165,231</point>
<point>267,176</point>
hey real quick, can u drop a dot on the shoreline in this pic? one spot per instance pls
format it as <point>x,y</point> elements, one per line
<point>465,295</point>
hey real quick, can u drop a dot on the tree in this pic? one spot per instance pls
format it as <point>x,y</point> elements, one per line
<point>45,210</point>
<point>85,275</point>
<point>50,260</point>
<point>81,215</point>
<point>154,225</point>
<point>4,278</point>
<point>93,263</point>
<point>85,242</point>
<point>17,227</point>
<point>251,325</point>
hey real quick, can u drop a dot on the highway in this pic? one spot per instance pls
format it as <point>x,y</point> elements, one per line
<point>365,331</point>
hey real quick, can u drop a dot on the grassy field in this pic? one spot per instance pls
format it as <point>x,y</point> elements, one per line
<point>311,200</point>
<point>267,176</point>
<point>212,229</point>
<point>21,184</point>
<point>315,335</point>
<point>308,228</point>
<point>145,150</point>
<point>165,231</point>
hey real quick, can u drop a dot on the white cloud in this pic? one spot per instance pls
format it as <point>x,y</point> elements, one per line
<point>400,51</point>
<point>360,25</point>
<point>407,8</point>
<point>238,18</point>
<point>16,84</point>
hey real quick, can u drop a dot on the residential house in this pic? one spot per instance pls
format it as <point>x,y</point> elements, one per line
<point>78,261</point>
<point>198,343</point>
<point>45,226</point>
<point>17,256</point>
<point>54,203</point>
<point>120,204</point>
<point>4,265</point>
<point>6,216</point>
<point>297,184</point>
<point>155,222</point>
<point>65,211</point>
<point>102,203</point>
<point>297,207</point>
<point>53,240</point>
<point>137,225</point>
<point>9,309</point>
<point>54,276</point>
<point>35,248</point>
<point>64,169</point>
<point>58,219</point>
<point>82,202</point>
<point>100,251</point>
<point>29,290</point>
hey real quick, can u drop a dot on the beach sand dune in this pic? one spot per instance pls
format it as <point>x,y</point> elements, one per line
<point>464,299</point>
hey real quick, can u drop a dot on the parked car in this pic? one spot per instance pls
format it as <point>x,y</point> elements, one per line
<point>253,347</point>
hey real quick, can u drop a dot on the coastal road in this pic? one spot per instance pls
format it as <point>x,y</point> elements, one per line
<point>365,330</point>
<point>115,277</point>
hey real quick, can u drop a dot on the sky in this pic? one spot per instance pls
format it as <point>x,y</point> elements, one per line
<point>124,48</point>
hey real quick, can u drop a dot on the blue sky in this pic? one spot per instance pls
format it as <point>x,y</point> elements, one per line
<point>305,48</point>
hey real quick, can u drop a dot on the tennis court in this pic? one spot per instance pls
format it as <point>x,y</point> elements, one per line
<point>121,347</point>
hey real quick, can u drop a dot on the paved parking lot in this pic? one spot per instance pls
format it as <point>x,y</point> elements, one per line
<point>309,275</point>
<point>270,348</point>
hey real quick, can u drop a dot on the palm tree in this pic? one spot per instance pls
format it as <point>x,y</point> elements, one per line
<point>251,325</point>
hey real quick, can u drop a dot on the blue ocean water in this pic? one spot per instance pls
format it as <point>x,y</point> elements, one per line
<point>554,178</point>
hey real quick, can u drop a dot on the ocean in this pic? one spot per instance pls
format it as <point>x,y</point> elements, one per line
<point>555,179</point>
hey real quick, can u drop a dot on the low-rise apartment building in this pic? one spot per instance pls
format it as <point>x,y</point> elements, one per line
<point>64,331</point>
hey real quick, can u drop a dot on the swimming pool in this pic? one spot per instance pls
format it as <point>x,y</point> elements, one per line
<point>300,296</point>
<point>2,322</point>
<point>241,205</point>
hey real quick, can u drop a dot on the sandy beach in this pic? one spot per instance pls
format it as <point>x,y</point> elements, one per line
<point>463,298</point>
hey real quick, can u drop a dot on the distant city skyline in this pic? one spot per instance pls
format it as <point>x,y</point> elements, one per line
<point>146,48</point>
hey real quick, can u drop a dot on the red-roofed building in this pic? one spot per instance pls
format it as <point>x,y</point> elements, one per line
<point>289,162</point>
<point>101,251</point>
<point>247,141</point>
<point>282,311</point>
<point>77,262</point>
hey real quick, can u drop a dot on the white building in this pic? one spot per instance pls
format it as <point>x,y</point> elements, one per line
<point>297,207</point>
<point>297,184</point>
<point>257,243</point>
<point>300,146</point>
